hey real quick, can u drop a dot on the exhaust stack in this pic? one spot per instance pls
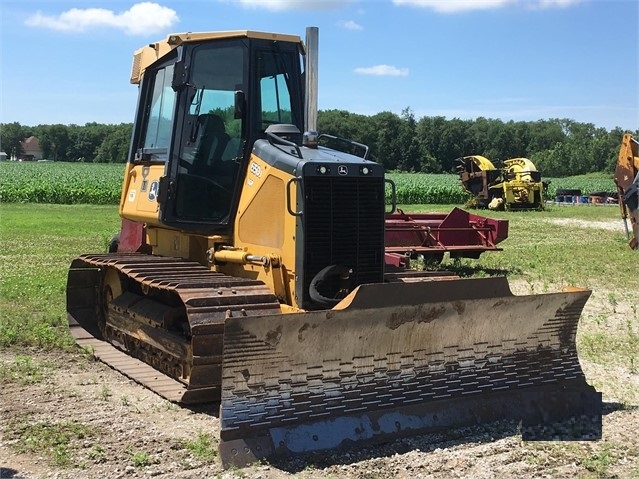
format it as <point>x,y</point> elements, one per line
<point>310,100</point>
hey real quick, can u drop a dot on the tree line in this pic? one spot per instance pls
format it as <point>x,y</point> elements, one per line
<point>558,147</point>
<point>93,142</point>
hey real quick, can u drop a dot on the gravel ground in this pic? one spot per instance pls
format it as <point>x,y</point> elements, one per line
<point>129,432</point>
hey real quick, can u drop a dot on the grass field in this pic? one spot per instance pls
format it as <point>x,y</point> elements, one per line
<point>37,242</point>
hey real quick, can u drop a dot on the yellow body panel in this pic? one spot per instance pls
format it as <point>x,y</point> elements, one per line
<point>482,162</point>
<point>264,228</point>
<point>521,168</point>
<point>626,171</point>
<point>139,193</point>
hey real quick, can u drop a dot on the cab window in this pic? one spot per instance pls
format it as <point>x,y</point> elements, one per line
<point>157,136</point>
<point>276,100</point>
<point>211,148</point>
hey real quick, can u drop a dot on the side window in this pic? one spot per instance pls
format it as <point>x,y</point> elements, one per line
<point>276,100</point>
<point>159,120</point>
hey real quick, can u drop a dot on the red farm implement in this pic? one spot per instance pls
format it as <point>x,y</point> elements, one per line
<point>458,233</point>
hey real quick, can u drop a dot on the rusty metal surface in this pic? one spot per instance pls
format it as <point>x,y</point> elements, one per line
<point>161,296</point>
<point>303,382</point>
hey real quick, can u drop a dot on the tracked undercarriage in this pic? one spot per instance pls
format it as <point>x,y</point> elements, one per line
<point>167,312</point>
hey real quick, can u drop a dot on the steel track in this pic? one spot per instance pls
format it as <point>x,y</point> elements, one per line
<point>169,319</point>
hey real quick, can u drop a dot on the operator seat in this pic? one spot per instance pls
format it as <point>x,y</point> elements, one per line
<point>202,193</point>
<point>211,143</point>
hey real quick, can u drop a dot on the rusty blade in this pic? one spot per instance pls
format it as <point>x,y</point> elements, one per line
<point>398,359</point>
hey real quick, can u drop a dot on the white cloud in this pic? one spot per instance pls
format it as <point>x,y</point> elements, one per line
<point>280,5</point>
<point>383,70</point>
<point>556,3</point>
<point>350,25</point>
<point>455,6</point>
<point>140,19</point>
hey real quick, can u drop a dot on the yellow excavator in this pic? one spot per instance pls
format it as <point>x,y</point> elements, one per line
<point>627,181</point>
<point>515,186</point>
<point>250,270</point>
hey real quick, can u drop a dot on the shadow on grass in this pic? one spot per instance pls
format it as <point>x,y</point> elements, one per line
<point>8,473</point>
<point>477,271</point>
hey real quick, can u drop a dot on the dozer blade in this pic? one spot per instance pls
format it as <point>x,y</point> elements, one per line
<point>400,359</point>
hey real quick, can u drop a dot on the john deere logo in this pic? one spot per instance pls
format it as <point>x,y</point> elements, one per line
<point>342,170</point>
<point>153,192</point>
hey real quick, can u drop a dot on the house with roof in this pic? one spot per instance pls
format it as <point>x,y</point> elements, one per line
<point>31,150</point>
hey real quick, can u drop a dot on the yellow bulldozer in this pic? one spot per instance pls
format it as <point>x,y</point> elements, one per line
<point>515,186</point>
<point>627,181</point>
<point>251,271</point>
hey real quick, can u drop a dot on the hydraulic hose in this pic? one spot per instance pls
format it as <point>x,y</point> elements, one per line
<point>330,271</point>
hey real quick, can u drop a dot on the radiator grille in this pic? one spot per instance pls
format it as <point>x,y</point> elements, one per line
<point>343,224</point>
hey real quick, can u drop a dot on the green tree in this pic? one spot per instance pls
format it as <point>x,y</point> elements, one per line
<point>352,126</point>
<point>54,141</point>
<point>544,134</point>
<point>410,158</point>
<point>115,147</point>
<point>429,131</point>
<point>84,141</point>
<point>388,147</point>
<point>12,134</point>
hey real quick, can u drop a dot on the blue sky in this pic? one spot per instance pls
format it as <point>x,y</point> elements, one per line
<point>69,61</point>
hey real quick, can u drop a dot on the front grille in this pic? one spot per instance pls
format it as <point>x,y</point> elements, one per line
<point>343,225</point>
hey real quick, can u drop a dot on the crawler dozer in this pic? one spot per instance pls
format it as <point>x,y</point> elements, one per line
<point>627,181</point>
<point>259,269</point>
<point>515,186</point>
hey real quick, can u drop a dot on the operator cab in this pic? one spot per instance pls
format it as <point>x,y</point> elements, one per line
<point>202,107</point>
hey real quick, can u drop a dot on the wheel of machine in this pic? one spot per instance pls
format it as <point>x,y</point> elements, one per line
<point>538,203</point>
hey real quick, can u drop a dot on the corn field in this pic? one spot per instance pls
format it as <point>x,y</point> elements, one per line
<point>60,182</point>
<point>100,183</point>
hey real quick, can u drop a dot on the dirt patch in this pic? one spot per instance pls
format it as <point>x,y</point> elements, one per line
<point>129,432</point>
<point>616,225</point>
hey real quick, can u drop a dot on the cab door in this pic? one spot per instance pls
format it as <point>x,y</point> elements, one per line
<point>151,146</point>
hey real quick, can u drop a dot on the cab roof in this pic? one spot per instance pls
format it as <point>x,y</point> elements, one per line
<point>149,54</point>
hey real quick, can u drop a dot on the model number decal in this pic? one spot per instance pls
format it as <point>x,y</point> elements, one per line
<point>256,169</point>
